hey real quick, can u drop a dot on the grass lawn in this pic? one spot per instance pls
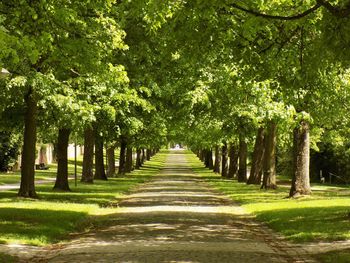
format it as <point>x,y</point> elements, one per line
<point>15,177</point>
<point>55,214</point>
<point>323,216</point>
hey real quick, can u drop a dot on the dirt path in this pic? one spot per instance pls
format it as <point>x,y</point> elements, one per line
<point>176,217</point>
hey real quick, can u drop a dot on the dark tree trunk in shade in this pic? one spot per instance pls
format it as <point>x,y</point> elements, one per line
<point>88,157</point>
<point>54,152</point>
<point>110,152</point>
<point>100,173</point>
<point>43,155</point>
<point>138,163</point>
<point>62,160</point>
<point>217,162</point>
<point>269,165</point>
<point>122,155</point>
<point>206,159</point>
<point>202,155</point>
<point>258,157</point>
<point>243,154</point>
<point>143,156</point>
<point>210,159</point>
<point>301,161</point>
<point>224,160</point>
<point>148,154</point>
<point>129,162</point>
<point>27,187</point>
<point>233,156</point>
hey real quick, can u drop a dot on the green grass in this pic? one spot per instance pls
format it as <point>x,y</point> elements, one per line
<point>7,258</point>
<point>323,216</point>
<point>342,256</point>
<point>15,177</point>
<point>50,218</point>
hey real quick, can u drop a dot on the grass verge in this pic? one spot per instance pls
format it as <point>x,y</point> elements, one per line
<point>50,218</point>
<point>323,216</point>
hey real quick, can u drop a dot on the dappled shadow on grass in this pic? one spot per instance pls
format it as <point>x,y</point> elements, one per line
<point>309,223</point>
<point>37,226</point>
<point>321,216</point>
<point>338,256</point>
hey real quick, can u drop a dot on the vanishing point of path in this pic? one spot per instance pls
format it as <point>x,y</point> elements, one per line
<point>177,217</point>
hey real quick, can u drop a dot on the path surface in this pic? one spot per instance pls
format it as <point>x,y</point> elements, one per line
<point>177,217</point>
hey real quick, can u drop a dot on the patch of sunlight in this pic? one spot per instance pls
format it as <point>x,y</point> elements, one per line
<point>189,209</point>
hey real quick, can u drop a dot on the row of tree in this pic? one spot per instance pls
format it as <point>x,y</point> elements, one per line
<point>261,77</point>
<point>77,75</point>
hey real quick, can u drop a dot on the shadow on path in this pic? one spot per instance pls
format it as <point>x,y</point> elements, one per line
<point>176,217</point>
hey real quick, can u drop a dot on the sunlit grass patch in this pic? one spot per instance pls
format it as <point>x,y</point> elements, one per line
<point>56,214</point>
<point>322,216</point>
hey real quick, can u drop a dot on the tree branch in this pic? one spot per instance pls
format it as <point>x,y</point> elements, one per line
<point>293,17</point>
<point>341,12</point>
<point>335,10</point>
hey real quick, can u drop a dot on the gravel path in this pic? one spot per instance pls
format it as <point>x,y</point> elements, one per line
<point>177,217</point>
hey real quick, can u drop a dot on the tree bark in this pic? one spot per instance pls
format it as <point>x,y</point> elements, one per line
<point>301,161</point>
<point>100,172</point>
<point>269,166</point>
<point>122,155</point>
<point>233,155</point>
<point>205,157</point>
<point>138,159</point>
<point>210,159</point>
<point>62,160</point>
<point>54,152</point>
<point>88,158</point>
<point>143,159</point>
<point>258,157</point>
<point>111,161</point>
<point>129,162</point>
<point>27,187</point>
<point>148,154</point>
<point>243,153</point>
<point>224,161</point>
<point>217,160</point>
<point>42,155</point>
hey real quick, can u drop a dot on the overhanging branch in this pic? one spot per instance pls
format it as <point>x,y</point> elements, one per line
<point>277,17</point>
<point>340,12</point>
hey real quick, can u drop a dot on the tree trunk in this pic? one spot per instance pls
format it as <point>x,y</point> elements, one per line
<point>143,159</point>
<point>122,155</point>
<point>233,155</point>
<point>129,162</point>
<point>202,155</point>
<point>269,178</point>
<point>100,173</point>
<point>27,188</point>
<point>224,153</point>
<point>54,152</point>
<point>148,154</point>
<point>62,160</point>
<point>88,158</point>
<point>243,153</point>
<point>43,155</point>
<point>217,160</point>
<point>301,161</point>
<point>258,157</point>
<point>138,159</point>
<point>110,152</point>
<point>206,159</point>
<point>210,159</point>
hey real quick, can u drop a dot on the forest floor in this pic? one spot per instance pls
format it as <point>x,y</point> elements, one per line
<point>175,217</point>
